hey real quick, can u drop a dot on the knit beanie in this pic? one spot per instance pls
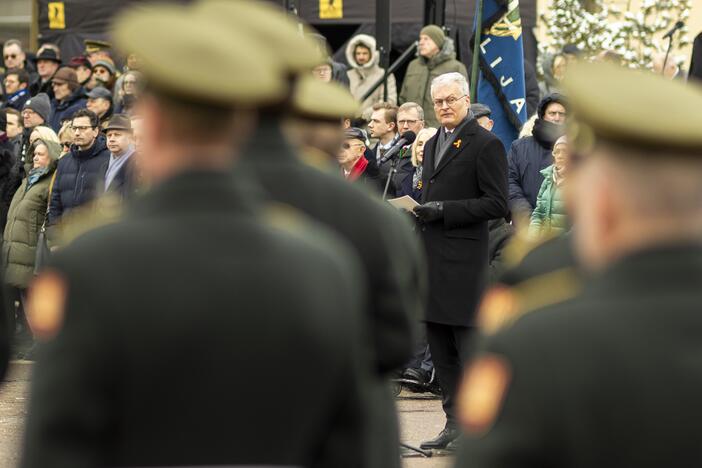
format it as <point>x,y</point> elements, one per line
<point>435,33</point>
<point>39,104</point>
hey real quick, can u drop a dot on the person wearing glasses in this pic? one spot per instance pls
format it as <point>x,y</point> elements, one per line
<point>464,185</point>
<point>69,97</point>
<point>79,171</point>
<point>355,166</point>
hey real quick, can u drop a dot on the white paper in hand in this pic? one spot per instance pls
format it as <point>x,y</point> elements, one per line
<point>406,203</point>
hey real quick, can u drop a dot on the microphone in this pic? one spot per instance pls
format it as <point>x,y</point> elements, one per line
<point>678,25</point>
<point>407,138</point>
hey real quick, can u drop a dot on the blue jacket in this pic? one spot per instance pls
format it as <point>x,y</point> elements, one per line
<point>62,110</point>
<point>526,159</point>
<point>77,175</point>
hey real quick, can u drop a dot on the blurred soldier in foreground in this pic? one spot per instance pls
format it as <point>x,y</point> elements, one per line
<point>382,238</point>
<point>172,338</point>
<point>611,378</point>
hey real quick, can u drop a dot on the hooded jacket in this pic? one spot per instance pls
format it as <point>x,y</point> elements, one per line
<point>76,178</point>
<point>24,221</point>
<point>420,73</point>
<point>62,110</point>
<point>362,77</point>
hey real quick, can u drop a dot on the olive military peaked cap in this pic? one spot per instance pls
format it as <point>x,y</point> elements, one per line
<point>188,57</point>
<point>633,108</point>
<point>270,26</point>
<point>319,100</point>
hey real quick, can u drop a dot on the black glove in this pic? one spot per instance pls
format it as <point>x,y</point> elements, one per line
<point>428,212</point>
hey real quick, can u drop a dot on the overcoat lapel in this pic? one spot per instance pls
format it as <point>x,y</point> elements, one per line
<point>461,141</point>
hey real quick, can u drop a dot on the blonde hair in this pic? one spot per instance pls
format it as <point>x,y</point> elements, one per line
<point>430,132</point>
<point>44,133</point>
<point>65,134</point>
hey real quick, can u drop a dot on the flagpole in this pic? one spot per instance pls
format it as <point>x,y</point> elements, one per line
<point>476,52</point>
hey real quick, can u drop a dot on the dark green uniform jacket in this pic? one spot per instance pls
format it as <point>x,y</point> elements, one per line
<point>389,253</point>
<point>24,220</point>
<point>610,379</point>
<point>184,327</point>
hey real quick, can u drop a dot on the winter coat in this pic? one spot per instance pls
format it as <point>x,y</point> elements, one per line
<point>420,73</point>
<point>63,110</point>
<point>362,77</point>
<point>549,216</point>
<point>77,175</point>
<point>527,157</point>
<point>8,183</point>
<point>24,220</point>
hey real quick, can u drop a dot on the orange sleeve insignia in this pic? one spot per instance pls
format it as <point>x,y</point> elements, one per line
<point>485,383</point>
<point>46,302</point>
<point>498,307</point>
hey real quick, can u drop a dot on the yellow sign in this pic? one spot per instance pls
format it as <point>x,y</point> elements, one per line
<point>57,15</point>
<point>331,9</point>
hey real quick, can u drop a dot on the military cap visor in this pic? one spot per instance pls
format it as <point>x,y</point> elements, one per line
<point>321,100</point>
<point>633,108</point>
<point>187,57</point>
<point>270,26</point>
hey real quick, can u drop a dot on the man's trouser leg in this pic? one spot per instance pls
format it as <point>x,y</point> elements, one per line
<point>448,344</point>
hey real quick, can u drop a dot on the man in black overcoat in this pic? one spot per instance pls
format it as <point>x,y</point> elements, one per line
<point>465,185</point>
<point>173,337</point>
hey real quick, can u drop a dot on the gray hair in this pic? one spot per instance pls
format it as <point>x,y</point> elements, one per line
<point>450,78</point>
<point>412,105</point>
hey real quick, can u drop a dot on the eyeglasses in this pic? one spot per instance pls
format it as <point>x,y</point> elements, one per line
<point>129,82</point>
<point>12,56</point>
<point>407,122</point>
<point>348,145</point>
<point>450,101</point>
<point>81,128</point>
<point>55,84</point>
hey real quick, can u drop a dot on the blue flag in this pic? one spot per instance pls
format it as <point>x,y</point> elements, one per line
<point>501,80</point>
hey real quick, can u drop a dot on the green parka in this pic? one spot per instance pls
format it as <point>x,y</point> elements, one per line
<point>420,73</point>
<point>24,220</point>
<point>549,217</point>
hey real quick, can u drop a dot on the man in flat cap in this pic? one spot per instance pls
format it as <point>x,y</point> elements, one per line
<point>612,377</point>
<point>118,173</point>
<point>172,338</point>
<point>382,237</point>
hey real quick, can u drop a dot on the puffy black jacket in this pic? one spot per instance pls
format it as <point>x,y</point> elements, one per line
<point>76,176</point>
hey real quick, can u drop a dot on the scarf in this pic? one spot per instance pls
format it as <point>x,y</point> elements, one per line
<point>34,176</point>
<point>417,179</point>
<point>358,169</point>
<point>546,133</point>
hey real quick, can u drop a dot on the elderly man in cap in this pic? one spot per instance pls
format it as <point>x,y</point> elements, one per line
<point>355,166</point>
<point>100,102</point>
<point>118,172</point>
<point>611,377</point>
<point>151,324</point>
<point>482,113</point>
<point>380,236</point>
<point>436,55</point>
<point>104,72</point>
<point>69,96</point>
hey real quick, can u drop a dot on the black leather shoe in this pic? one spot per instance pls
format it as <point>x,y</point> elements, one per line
<point>444,438</point>
<point>418,375</point>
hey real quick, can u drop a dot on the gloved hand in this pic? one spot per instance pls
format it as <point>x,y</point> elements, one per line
<point>428,212</point>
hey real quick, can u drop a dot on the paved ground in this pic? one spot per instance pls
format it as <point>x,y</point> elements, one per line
<point>420,419</point>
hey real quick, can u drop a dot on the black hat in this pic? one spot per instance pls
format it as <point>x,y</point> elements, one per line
<point>354,133</point>
<point>118,122</point>
<point>39,104</point>
<point>99,92</point>
<point>48,53</point>
<point>480,110</point>
<point>554,97</point>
